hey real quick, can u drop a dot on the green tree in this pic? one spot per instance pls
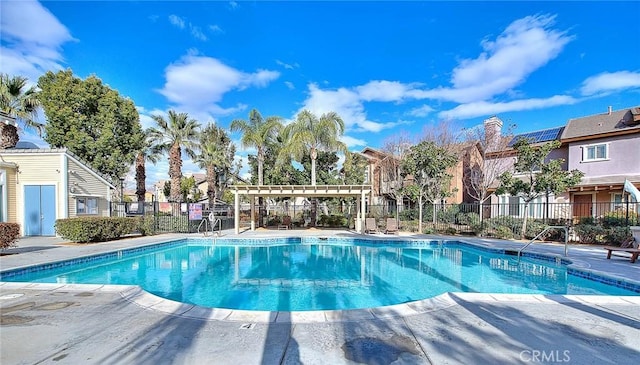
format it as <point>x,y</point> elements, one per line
<point>189,192</point>
<point>146,153</point>
<point>171,135</point>
<point>278,169</point>
<point>353,169</point>
<point>216,157</point>
<point>534,174</point>
<point>91,120</point>
<point>257,133</point>
<point>429,164</point>
<point>19,102</point>
<point>308,135</point>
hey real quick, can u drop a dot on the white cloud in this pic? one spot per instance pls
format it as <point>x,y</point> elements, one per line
<point>483,108</point>
<point>610,81</point>
<point>382,90</point>
<point>196,32</point>
<point>289,85</point>
<point>215,28</point>
<point>347,103</point>
<point>422,111</point>
<point>353,142</point>
<point>177,21</point>
<point>32,38</point>
<point>526,45</point>
<point>197,84</point>
<point>286,65</point>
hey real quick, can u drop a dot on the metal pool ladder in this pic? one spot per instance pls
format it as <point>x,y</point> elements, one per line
<point>216,222</point>
<point>566,239</point>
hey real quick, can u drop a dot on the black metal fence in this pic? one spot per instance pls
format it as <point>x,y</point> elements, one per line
<point>501,220</point>
<point>176,217</point>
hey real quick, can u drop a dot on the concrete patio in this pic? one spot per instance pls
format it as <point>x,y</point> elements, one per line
<point>69,324</point>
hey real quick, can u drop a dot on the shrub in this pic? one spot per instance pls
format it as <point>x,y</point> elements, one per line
<point>448,230</point>
<point>274,220</point>
<point>503,232</point>
<point>469,218</point>
<point>409,226</point>
<point>589,233</point>
<point>146,225</point>
<point>448,214</point>
<point>408,215</point>
<point>534,228</point>
<point>615,235</point>
<point>9,233</point>
<point>96,229</point>
<point>618,219</point>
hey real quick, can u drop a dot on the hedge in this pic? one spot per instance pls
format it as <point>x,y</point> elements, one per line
<point>9,233</point>
<point>99,229</point>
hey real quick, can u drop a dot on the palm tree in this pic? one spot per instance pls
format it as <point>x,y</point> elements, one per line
<point>310,134</point>
<point>216,155</point>
<point>171,136</point>
<point>146,153</point>
<point>20,103</point>
<point>258,133</point>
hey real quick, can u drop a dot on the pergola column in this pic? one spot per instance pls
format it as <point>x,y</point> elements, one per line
<point>236,211</point>
<point>363,208</point>
<point>252,199</point>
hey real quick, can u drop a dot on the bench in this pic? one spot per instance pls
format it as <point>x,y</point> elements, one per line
<point>633,251</point>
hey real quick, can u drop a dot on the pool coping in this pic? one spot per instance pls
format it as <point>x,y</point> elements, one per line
<point>138,296</point>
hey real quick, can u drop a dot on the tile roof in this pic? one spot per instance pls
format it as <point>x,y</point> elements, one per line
<point>594,125</point>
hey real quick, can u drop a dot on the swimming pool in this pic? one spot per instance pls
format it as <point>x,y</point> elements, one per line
<point>301,274</point>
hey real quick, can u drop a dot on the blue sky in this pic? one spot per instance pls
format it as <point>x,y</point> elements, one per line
<point>385,67</point>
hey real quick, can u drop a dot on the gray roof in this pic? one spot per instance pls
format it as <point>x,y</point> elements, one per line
<point>594,125</point>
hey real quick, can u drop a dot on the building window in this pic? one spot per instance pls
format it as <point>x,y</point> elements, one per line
<point>86,205</point>
<point>596,152</point>
<point>514,206</point>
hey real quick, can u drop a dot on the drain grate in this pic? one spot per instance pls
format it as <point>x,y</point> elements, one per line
<point>247,326</point>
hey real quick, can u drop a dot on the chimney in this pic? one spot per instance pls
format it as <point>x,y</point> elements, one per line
<point>610,110</point>
<point>492,132</point>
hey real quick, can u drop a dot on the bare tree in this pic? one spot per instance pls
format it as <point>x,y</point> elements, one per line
<point>395,149</point>
<point>487,156</point>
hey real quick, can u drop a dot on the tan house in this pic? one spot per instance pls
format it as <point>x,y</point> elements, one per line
<point>383,184</point>
<point>38,186</point>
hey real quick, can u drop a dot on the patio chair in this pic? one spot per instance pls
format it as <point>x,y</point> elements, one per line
<point>392,226</point>
<point>629,246</point>
<point>370,225</point>
<point>286,223</point>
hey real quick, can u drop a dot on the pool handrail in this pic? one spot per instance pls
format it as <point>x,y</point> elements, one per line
<point>566,239</point>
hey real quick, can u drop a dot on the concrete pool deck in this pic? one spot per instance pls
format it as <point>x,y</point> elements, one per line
<point>56,323</point>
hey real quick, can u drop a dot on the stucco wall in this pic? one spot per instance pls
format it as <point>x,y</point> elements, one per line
<point>624,156</point>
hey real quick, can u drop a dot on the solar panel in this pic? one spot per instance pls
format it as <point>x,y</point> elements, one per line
<point>538,136</point>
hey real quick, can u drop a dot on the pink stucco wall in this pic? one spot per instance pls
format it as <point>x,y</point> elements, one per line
<point>623,156</point>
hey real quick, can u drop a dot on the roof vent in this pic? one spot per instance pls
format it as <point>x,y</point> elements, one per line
<point>610,110</point>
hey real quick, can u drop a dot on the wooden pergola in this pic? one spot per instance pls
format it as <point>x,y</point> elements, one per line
<point>306,191</point>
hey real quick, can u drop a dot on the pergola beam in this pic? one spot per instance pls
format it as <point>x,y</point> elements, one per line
<point>306,191</point>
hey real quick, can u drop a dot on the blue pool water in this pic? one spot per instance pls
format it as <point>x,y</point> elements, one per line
<point>318,274</point>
